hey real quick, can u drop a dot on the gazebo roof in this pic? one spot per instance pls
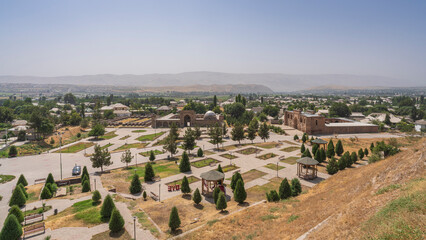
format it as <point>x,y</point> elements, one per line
<point>212,175</point>
<point>319,141</point>
<point>307,161</point>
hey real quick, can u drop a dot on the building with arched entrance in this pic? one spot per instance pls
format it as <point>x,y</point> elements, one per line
<point>188,118</point>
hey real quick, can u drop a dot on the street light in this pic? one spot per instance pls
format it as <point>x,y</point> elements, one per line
<point>134,227</point>
<point>60,151</point>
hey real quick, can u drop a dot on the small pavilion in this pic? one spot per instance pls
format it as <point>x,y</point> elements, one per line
<point>210,180</point>
<point>320,142</point>
<point>307,168</point>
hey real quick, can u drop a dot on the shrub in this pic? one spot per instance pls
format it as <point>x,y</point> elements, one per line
<point>46,193</point>
<point>323,155</point>
<point>151,156</point>
<point>22,180</point>
<point>374,158</point>
<point>85,173</point>
<point>200,152</point>
<point>219,169</point>
<point>116,222</point>
<point>347,160</point>
<point>354,157</point>
<point>295,138</point>
<point>361,153</point>
<point>12,229</point>
<point>135,186</point>
<point>52,141</point>
<point>296,187</point>
<point>330,149</point>
<point>272,196</point>
<point>96,196</point>
<point>216,192</point>
<point>332,166</point>
<point>78,135</point>
<point>50,179</point>
<point>86,186</point>
<point>18,198</point>
<point>221,202</point>
<point>365,151</point>
<point>240,193</point>
<point>15,210</point>
<point>185,186</point>
<point>149,172</point>
<point>315,149</point>
<point>284,190</point>
<point>144,195</point>
<point>184,165</point>
<point>302,148</point>
<point>307,153</point>
<point>13,151</point>
<point>235,179</point>
<point>174,220</point>
<point>107,207</point>
<point>197,196</point>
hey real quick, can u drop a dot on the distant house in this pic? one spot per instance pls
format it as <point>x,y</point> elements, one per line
<point>163,109</point>
<point>257,110</point>
<point>420,125</point>
<point>120,110</point>
<point>357,116</point>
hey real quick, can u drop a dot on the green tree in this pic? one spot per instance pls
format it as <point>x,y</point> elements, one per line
<point>314,149</point>
<point>96,196</point>
<point>317,156</point>
<point>196,197</point>
<point>200,152</point>
<point>135,185</point>
<point>307,153</point>
<point>189,140</point>
<point>15,210</point>
<point>215,194</point>
<point>338,109</point>
<point>387,119</point>
<point>185,165</point>
<point>302,148</point>
<point>264,132</point>
<point>361,153</point>
<point>174,220</point>
<point>285,189</point>
<point>304,138</point>
<point>219,169</point>
<point>296,187</point>
<point>46,193</point>
<point>366,152</point>
<point>235,177</point>
<point>251,132</point>
<point>240,193</point>
<point>221,202</point>
<point>144,195</point>
<point>371,146</point>
<point>347,159</point>
<point>295,138</point>
<point>107,207</point>
<point>214,101</point>
<point>12,229</point>
<point>22,180</point>
<point>332,166</point>
<point>354,157</point>
<point>85,186</point>
<point>127,157</point>
<point>170,144</point>
<point>50,179</point>
<point>215,134</point>
<point>197,132</point>
<point>323,155</point>
<point>13,152</point>
<point>237,133</point>
<point>151,156</point>
<point>97,130</point>
<point>149,172</point>
<point>330,149</point>
<point>185,186</point>
<point>23,189</point>
<point>85,173</point>
<point>272,196</point>
<point>339,148</point>
<point>101,158</point>
<point>116,222</point>
<point>18,197</point>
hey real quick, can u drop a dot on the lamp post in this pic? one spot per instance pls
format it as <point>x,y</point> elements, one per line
<point>60,151</point>
<point>159,192</point>
<point>277,168</point>
<point>134,227</point>
<point>95,184</point>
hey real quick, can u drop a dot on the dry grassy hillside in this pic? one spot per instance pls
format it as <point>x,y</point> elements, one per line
<point>384,200</point>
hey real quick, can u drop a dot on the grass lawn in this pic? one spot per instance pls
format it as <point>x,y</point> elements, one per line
<point>267,156</point>
<point>121,235</point>
<point>80,214</point>
<point>207,152</point>
<point>76,147</point>
<point>228,168</point>
<point>191,179</point>
<point>128,146</point>
<point>290,149</point>
<point>34,192</point>
<point>107,146</point>
<point>228,156</point>
<point>125,137</point>
<point>267,145</point>
<point>138,131</point>
<point>6,178</point>
<point>108,136</point>
<point>146,223</point>
<point>31,148</point>
<point>290,160</point>
<point>162,168</point>
<point>273,166</point>
<point>204,162</point>
<point>37,210</point>
<point>147,153</point>
<point>290,142</point>
<point>249,151</point>
<point>149,137</point>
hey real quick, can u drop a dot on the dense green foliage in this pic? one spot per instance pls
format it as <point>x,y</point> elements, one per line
<point>174,220</point>
<point>135,185</point>
<point>107,207</point>
<point>116,222</point>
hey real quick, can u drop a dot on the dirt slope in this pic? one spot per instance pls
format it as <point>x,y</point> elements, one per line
<point>346,201</point>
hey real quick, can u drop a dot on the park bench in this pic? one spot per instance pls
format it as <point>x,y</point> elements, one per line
<point>33,216</point>
<point>38,227</point>
<point>40,180</point>
<point>154,196</point>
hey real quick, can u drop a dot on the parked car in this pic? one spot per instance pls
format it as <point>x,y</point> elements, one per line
<point>76,170</point>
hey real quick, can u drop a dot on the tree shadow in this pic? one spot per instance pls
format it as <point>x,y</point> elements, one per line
<point>199,206</point>
<point>176,232</point>
<point>117,234</point>
<point>224,212</point>
<point>186,196</point>
<point>244,204</point>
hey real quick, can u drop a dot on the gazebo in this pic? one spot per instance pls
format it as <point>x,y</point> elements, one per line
<point>307,168</point>
<point>210,180</point>
<point>319,141</point>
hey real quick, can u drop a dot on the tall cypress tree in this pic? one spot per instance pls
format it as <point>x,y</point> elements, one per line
<point>361,153</point>
<point>50,179</point>
<point>185,186</point>
<point>174,220</point>
<point>216,192</point>
<point>235,179</point>
<point>18,197</point>
<point>332,167</point>
<point>197,196</point>
<point>135,185</point>
<point>185,165</point>
<point>12,229</point>
<point>354,157</point>
<point>219,168</point>
<point>330,149</point>
<point>149,172</point>
<point>107,207</point>
<point>339,148</point>
<point>221,202</point>
<point>15,210</point>
<point>22,180</point>
<point>116,222</point>
<point>307,153</point>
<point>240,193</point>
<point>323,155</point>
<point>285,189</point>
<point>314,149</point>
<point>302,148</point>
<point>296,187</point>
<point>318,156</point>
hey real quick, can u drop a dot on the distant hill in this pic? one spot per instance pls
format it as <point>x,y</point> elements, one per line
<point>276,81</point>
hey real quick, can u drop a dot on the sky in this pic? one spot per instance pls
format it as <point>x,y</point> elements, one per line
<point>78,37</point>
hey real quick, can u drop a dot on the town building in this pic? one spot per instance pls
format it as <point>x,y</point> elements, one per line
<point>187,118</point>
<point>120,110</point>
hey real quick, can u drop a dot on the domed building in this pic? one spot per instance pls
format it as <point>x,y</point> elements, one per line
<point>188,118</point>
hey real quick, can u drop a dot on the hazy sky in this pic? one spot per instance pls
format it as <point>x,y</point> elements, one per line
<point>52,38</point>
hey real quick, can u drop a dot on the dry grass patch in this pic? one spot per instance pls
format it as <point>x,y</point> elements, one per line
<point>229,168</point>
<point>290,160</point>
<point>191,179</point>
<point>34,192</point>
<point>228,156</point>
<point>290,149</point>
<point>204,162</point>
<point>267,145</point>
<point>290,142</point>
<point>207,152</point>
<point>108,135</point>
<point>252,175</point>
<point>249,151</point>
<point>274,166</point>
<point>128,146</point>
<point>267,156</point>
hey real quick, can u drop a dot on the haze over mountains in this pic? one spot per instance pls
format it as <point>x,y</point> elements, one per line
<point>249,82</point>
